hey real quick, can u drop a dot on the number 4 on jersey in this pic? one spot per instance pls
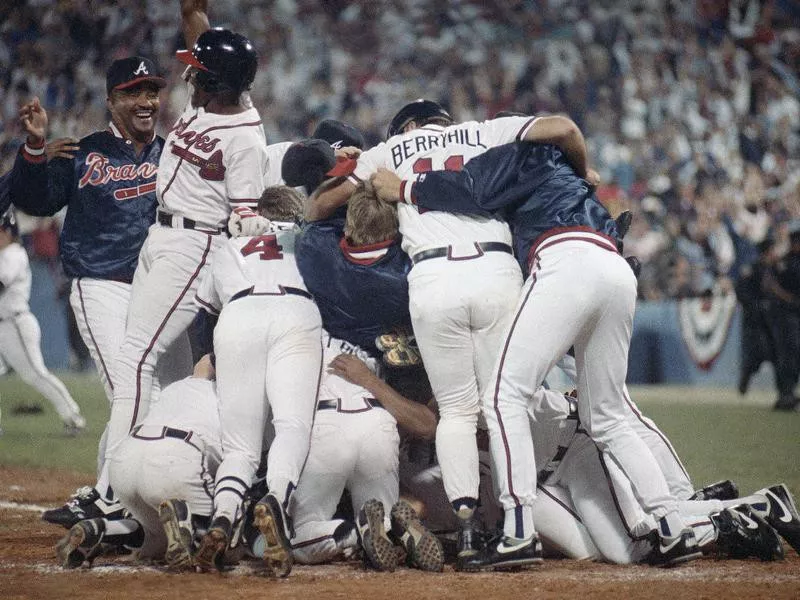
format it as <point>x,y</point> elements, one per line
<point>267,247</point>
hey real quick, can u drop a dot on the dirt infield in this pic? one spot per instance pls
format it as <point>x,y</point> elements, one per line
<point>28,569</point>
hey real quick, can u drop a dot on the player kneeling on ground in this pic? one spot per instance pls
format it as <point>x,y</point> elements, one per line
<point>162,473</point>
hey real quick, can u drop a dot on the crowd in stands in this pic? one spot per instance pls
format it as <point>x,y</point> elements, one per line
<point>690,109</point>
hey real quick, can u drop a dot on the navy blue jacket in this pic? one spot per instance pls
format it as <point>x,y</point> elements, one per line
<point>358,298</point>
<point>110,195</point>
<point>532,186</point>
<point>5,189</point>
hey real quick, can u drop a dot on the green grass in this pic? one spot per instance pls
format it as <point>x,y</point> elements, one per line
<point>717,434</point>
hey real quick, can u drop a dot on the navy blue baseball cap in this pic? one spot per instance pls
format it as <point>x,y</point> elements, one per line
<point>309,162</point>
<point>128,72</point>
<point>338,134</point>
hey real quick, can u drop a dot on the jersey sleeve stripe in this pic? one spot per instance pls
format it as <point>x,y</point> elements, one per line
<point>33,154</point>
<point>526,128</point>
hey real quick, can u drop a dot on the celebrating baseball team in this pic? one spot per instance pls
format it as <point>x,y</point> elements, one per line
<point>372,332</point>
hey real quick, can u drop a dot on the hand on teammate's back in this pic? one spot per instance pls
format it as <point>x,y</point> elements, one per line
<point>386,184</point>
<point>244,222</point>
<point>347,152</point>
<point>61,148</point>
<point>352,369</point>
<point>33,118</point>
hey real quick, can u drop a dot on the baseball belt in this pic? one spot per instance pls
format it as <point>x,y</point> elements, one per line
<point>174,221</point>
<point>447,251</point>
<point>285,289</point>
<point>336,404</point>
<point>166,432</point>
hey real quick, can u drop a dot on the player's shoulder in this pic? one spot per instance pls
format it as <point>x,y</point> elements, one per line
<point>14,253</point>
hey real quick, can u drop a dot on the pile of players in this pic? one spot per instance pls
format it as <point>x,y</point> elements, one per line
<point>476,249</point>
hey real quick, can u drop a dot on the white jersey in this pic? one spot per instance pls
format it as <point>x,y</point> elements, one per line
<point>265,263</point>
<point>275,153</point>
<point>437,148</point>
<point>211,162</point>
<point>15,275</point>
<point>190,404</point>
<point>351,397</point>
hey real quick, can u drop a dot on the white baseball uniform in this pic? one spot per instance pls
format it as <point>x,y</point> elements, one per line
<point>210,162</point>
<point>581,293</point>
<point>20,336</point>
<point>268,358</point>
<point>354,446</point>
<point>462,300</point>
<point>173,453</point>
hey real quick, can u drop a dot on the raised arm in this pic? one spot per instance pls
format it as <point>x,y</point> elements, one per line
<point>327,198</point>
<point>564,133</point>
<point>194,20</point>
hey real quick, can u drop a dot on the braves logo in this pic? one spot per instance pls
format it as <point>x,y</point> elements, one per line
<point>99,172</point>
<point>199,140</point>
<point>141,69</point>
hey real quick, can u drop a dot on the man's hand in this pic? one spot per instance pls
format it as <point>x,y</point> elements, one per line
<point>347,152</point>
<point>592,177</point>
<point>33,118</point>
<point>61,148</point>
<point>245,222</point>
<point>352,369</point>
<point>387,185</point>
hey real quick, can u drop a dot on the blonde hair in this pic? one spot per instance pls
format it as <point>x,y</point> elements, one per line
<point>280,203</point>
<point>369,219</point>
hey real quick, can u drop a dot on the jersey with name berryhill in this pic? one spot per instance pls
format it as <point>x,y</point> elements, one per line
<point>110,195</point>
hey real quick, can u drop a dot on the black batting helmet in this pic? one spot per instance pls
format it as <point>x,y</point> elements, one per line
<point>225,61</point>
<point>418,110</point>
<point>8,222</point>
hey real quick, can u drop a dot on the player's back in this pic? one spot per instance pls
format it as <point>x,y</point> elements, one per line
<point>190,404</point>
<point>269,259</point>
<point>437,148</point>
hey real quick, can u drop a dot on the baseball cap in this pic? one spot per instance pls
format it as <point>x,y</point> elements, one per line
<point>309,162</point>
<point>338,134</point>
<point>128,72</point>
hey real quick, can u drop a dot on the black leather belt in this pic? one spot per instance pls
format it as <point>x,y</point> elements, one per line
<point>167,432</point>
<point>166,219</point>
<point>369,403</point>
<point>285,289</point>
<point>447,251</point>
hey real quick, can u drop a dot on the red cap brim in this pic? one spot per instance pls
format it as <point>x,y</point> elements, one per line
<point>343,167</point>
<point>186,57</point>
<point>159,81</point>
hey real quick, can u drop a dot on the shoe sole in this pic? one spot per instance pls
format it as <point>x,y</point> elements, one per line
<point>424,549</point>
<point>278,557</point>
<point>503,566</point>
<point>212,548</point>
<point>179,541</point>
<point>380,550</point>
<point>68,548</point>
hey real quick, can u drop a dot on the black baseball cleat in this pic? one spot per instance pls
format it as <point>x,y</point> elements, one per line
<point>721,490</point>
<point>210,553</point>
<point>781,513</point>
<point>85,503</point>
<point>380,552</point>
<point>273,522</point>
<point>82,543</point>
<point>469,542</point>
<point>669,552</point>
<point>501,553</point>
<point>742,533</point>
<point>423,549</point>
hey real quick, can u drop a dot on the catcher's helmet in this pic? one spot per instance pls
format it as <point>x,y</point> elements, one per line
<point>225,61</point>
<point>419,110</point>
<point>8,222</point>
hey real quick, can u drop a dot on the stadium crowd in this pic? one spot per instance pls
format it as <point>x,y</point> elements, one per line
<point>690,109</point>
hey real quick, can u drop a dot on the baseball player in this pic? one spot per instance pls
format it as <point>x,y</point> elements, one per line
<point>214,158</point>
<point>459,325</point>
<point>164,473</point>
<point>579,292</point>
<point>107,182</point>
<point>20,336</point>
<point>354,446</point>
<point>269,356</point>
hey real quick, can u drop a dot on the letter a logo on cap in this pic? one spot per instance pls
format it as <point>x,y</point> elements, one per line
<point>141,69</point>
